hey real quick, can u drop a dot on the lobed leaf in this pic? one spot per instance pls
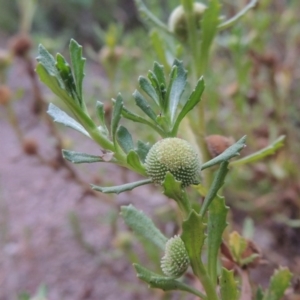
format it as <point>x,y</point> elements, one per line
<point>116,116</point>
<point>228,285</point>
<point>124,139</point>
<point>142,103</point>
<point>80,158</point>
<point>134,161</point>
<point>142,150</point>
<point>149,89</point>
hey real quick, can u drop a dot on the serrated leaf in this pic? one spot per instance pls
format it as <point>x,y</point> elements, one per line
<point>120,188</point>
<point>116,116</point>
<point>216,225</point>
<point>80,158</point>
<point>173,189</point>
<point>161,282</point>
<point>134,161</point>
<point>192,101</point>
<point>143,226</point>
<point>230,152</point>
<point>149,89</point>
<point>269,150</point>
<point>280,281</point>
<point>193,236</point>
<point>61,117</point>
<point>124,139</point>
<point>142,103</point>
<point>176,88</point>
<point>228,285</point>
<point>78,63</point>
<point>214,188</point>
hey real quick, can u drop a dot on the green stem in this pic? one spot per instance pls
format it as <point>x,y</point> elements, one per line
<point>200,272</point>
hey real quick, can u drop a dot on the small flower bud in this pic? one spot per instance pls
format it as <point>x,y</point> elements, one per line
<point>176,260</point>
<point>176,156</point>
<point>20,45</point>
<point>5,94</point>
<point>177,20</point>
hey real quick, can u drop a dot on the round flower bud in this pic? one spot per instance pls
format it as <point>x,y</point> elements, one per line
<point>177,20</point>
<point>176,260</point>
<point>176,156</point>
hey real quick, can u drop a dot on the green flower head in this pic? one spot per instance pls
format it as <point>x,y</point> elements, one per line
<point>176,260</point>
<point>176,156</point>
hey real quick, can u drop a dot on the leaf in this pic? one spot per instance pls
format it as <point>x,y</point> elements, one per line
<point>78,63</point>
<point>176,88</point>
<point>161,282</point>
<point>229,153</point>
<point>193,236</point>
<point>124,139</point>
<point>269,150</point>
<point>134,161</point>
<point>237,245</point>
<point>228,286</point>
<point>143,226</point>
<point>216,185</point>
<point>193,100</point>
<point>60,116</point>
<point>142,103</point>
<point>280,281</point>
<point>79,157</point>
<point>116,116</point>
<point>209,28</point>
<point>159,73</point>
<point>148,89</point>
<point>259,294</point>
<point>216,225</point>
<point>173,189</point>
<point>120,188</point>
<point>159,47</point>
<point>142,150</point>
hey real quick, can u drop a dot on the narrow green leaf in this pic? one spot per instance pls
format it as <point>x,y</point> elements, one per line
<point>209,28</point>
<point>192,101</point>
<point>149,89</point>
<point>259,294</point>
<point>124,139</point>
<point>147,15</point>
<point>216,185</point>
<point>280,281</point>
<point>136,118</point>
<point>134,161</point>
<point>176,88</point>
<point>116,116</point>
<point>80,158</point>
<point>100,112</point>
<point>142,150</point>
<point>165,283</point>
<point>193,236</point>
<point>229,288</point>
<point>216,225</point>
<point>61,117</point>
<point>238,16</point>
<point>142,103</point>
<point>159,73</point>
<point>269,150</point>
<point>229,153</point>
<point>173,189</point>
<point>159,48</point>
<point>78,63</point>
<point>120,188</point>
<point>143,226</point>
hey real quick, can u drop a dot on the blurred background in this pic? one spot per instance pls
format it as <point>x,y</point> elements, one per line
<point>60,240</point>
